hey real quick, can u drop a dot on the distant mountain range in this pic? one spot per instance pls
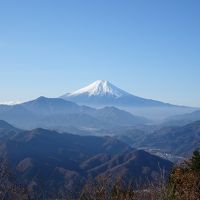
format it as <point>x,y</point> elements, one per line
<point>86,107</point>
<point>176,140</point>
<point>58,113</point>
<point>180,120</point>
<point>6,130</point>
<point>53,162</point>
<point>46,157</point>
<point>6,126</point>
<point>102,93</point>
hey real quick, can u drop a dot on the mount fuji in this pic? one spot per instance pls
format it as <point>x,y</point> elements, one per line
<point>102,93</point>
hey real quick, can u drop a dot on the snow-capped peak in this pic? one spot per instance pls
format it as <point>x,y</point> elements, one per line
<point>99,88</point>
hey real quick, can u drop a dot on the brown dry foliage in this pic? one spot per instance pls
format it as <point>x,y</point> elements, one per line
<point>186,184</point>
<point>183,184</point>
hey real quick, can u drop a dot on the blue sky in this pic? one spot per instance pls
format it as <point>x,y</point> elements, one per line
<point>150,48</point>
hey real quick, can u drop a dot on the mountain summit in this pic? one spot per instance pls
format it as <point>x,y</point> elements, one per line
<point>103,93</point>
<point>99,88</point>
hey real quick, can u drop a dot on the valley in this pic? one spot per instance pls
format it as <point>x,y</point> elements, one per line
<point>59,146</point>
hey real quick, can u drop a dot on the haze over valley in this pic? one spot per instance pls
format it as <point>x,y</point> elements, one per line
<point>99,100</point>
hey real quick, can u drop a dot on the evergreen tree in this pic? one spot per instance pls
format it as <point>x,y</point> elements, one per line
<point>195,162</point>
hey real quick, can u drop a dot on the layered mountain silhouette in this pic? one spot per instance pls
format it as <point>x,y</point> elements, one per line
<point>53,162</point>
<point>6,130</point>
<point>58,113</point>
<point>6,126</point>
<point>177,140</point>
<point>102,93</point>
<point>180,120</point>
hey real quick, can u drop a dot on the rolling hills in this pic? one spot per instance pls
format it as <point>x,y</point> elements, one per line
<point>53,162</point>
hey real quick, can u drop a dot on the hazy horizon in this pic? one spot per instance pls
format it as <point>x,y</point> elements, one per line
<point>13,102</point>
<point>149,49</point>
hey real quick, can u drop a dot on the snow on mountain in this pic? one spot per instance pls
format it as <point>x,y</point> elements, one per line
<point>102,93</point>
<point>99,88</point>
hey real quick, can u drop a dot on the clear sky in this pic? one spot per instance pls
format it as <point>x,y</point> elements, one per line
<point>150,48</point>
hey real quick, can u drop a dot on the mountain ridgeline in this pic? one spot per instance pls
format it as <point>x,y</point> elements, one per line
<point>102,93</point>
<point>56,163</point>
<point>99,132</point>
<point>55,113</point>
<point>178,141</point>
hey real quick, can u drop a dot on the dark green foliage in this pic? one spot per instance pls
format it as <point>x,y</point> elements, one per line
<point>195,162</point>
